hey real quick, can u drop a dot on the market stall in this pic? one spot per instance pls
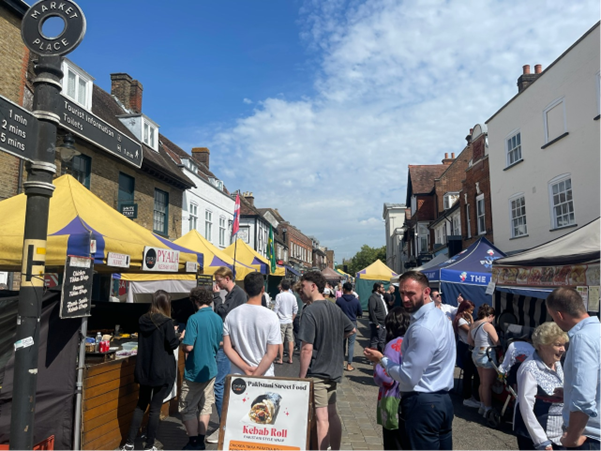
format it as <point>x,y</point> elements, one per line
<point>376,272</point>
<point>81,224</point>
<point>524,280</point>
<point>468,273</point>
<point>331,276</point>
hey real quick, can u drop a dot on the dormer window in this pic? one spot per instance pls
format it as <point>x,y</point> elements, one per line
<point>77,85</point>
<point>149,134</point>
<point>449,199</point>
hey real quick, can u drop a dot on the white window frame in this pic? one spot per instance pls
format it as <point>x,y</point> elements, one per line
<point>481,215</point>
<point>208,224</point>
<point>598,83</point>
<point>517,148</point>
<point>449,199</point>
<point>80,75</point>
<point>554,219</point>
<point>150,133</point>
<point>222,228</point>
<point>468,221</point>
<point>513,219</point>
<point>565,122</point>
<point>193,216</point>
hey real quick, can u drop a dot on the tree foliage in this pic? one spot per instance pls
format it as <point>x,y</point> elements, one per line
<point>365,257</point>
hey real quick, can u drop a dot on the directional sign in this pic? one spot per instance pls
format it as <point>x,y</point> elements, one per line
<point>18,130</point>
<point>93,129</point>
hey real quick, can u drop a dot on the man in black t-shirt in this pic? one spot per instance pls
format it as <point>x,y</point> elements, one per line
<point>323,329</point>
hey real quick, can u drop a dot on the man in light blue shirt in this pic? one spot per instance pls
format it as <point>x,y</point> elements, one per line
<point>426,373</point>
<point>581,369</point>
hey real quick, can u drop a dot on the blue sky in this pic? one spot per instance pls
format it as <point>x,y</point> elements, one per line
<point>319,106</point>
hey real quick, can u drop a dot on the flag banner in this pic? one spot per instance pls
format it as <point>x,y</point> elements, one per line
<point>271,250</point>
<point>236,225</point>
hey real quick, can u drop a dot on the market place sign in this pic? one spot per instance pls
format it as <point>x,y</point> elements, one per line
<point>160,260</point>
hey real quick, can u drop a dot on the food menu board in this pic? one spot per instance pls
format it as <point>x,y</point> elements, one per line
<point>266,413</point>
<point>76,295</point>
<point>546,276</point>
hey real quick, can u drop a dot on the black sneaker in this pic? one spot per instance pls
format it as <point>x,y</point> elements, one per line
<point>197,445</point>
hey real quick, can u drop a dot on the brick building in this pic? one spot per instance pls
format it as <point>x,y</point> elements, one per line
<point>300,248</point>
<point>475,195</point>
<point>330,257</point>
<point>14,57</point>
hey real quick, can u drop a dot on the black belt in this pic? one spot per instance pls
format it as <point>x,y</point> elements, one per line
<point>412,393</point>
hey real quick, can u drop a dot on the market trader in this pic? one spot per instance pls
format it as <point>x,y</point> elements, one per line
<point>426,373</point>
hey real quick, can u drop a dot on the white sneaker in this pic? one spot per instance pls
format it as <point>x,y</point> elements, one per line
<point>471,402</point>
<point>214,437</point>
<point>487,413</point>
<point>481,409</point>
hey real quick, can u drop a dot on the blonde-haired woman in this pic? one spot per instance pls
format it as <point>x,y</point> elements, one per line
<point>538,417</point>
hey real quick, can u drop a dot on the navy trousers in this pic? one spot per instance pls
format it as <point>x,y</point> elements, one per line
<point>426,420</point>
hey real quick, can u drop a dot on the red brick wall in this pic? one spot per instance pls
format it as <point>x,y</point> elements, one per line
<point>295,236</point>
<point>426,207</point>
<point>477,173</point>
<point>451,180</point>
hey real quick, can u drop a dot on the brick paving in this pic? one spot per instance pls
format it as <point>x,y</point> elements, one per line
<point>357,397</point>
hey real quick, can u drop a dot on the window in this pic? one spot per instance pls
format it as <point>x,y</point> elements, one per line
<point>517,207</point>
<point>208,224</point>
<point>77,85</point>
<point>161,211</point>
<point>514,149</point>
<point>468,222</point>
<point>555,120</point>
<point>79,168</point>
<point>562,204</point>
<point>126,189</point>
<point>193,216</point>
<point>449,200</point>
<point>222,231</point>
<point>456,230</point>
<point>480,210</point>
<point>149,135</point>
<point>423,244</point>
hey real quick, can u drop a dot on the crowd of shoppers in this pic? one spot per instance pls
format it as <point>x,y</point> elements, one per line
<point>414,361</point>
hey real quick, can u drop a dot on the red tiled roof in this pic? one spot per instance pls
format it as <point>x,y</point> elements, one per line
<point>421,177</point>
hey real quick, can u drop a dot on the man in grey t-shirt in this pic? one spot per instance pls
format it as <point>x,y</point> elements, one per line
<point>323,329</point>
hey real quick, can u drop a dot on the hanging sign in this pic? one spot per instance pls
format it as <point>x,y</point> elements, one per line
<point>204,281</point>
<point>18,130</point>
<point>160,260</point>
<point>117,260</point>
<point>76,297</point>
<point>266,413</point>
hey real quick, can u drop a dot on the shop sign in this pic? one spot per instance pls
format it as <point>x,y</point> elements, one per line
<point>160,260</point>
<point>191,267</point>
<point>18,130</point>
<point>93,129</point>
<point>266,413</point>
<point>117,260</point>
<point>129,210</point>
<point>76,296</point>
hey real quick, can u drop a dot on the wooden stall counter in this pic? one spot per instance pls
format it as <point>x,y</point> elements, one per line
<point>110,395</point>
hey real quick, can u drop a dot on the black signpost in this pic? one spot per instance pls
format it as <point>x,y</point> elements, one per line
<point>76,297</point>
<point>38,188</point>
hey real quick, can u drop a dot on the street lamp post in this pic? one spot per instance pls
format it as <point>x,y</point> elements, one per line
<point>38,189</point>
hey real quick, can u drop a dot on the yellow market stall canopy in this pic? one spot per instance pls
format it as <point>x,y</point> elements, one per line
<point>80,223</point>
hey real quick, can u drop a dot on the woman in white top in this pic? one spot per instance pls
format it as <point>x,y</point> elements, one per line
<point>471,380</point>
<point>483,336</point>
<point>538,419</point>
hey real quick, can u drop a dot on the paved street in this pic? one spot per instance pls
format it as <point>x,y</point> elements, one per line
<point>357,407</point>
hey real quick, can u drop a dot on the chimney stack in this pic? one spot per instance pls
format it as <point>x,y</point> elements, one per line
<point>448,160</point>
<point>202,155</point>
<point>249,197</point>
<point>527,78</point>
<point>128,91</point>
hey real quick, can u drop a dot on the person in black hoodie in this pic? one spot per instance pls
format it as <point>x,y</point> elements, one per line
<point>351,307</point>
<point>155,366</point>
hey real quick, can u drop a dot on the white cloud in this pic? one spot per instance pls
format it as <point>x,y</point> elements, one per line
<point>247,101</point>
<point>397,83</point>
